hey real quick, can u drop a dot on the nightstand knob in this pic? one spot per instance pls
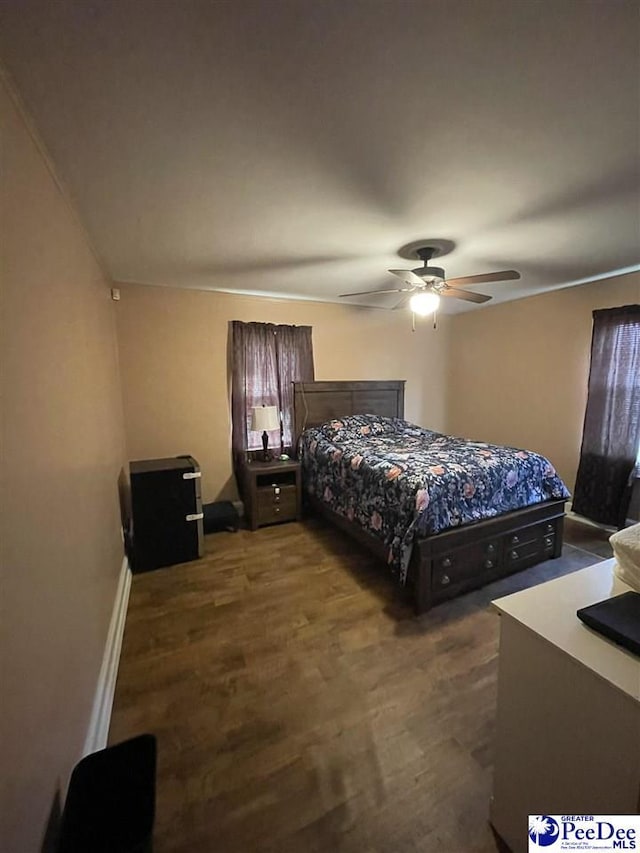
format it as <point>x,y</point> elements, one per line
<point>488,564</point>
<point>276,509</point>
<point>514,555</point>
<point>491,549</point>
<point>445,579</point>
<point>515,540</point>
<point>549,528</point>
<point>446,564</point>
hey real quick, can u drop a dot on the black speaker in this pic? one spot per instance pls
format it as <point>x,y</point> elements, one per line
<point>166,506</point>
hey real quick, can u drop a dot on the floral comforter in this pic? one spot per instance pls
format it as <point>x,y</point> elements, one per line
<point>398,480</point>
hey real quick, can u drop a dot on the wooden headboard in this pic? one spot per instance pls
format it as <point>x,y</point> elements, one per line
<point>317,402</point>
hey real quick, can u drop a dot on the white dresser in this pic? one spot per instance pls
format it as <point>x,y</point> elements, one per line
<point>568,718</point>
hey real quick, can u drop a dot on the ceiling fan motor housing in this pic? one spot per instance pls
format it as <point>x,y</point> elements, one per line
<point>430,273</point>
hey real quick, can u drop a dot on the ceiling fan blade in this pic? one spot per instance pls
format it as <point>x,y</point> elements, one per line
<point>467,295</point>
<point>502,275</point>
<point>408,276</point>
<point>370,292</point>
<point>402,303</point>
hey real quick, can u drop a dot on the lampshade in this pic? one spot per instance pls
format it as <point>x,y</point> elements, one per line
<point>265,418</point>
<point>424,303</point>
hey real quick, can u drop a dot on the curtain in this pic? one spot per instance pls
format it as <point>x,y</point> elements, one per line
<point>612,419</point>
<point>294,358</point>
<point>265,361</point>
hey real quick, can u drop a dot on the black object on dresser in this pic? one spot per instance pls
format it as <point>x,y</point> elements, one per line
<point>166,506</point>
<point>616,618</point>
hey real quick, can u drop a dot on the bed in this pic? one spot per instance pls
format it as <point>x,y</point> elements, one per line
<point>350,433</point>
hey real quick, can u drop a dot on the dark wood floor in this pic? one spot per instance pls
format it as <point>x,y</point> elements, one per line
<point>301,706</point>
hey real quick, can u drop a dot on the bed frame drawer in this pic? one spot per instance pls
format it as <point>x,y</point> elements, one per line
<point>519,556</point>
<point>463,565</point>
<point>472,555</point>
<point>533,533</point>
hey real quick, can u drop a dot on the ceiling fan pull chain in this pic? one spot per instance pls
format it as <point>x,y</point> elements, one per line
<point>413,321</point>
<point>435,319</point>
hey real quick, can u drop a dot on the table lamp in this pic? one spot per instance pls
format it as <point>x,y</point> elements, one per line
<point>265,418</point>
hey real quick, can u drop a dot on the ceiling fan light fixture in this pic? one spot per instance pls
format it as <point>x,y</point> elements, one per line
<point>424,303</point>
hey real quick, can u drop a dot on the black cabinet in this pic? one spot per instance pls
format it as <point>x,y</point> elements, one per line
<point>166,506</point>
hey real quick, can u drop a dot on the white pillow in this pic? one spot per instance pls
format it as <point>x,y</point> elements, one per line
<point>626,550</point>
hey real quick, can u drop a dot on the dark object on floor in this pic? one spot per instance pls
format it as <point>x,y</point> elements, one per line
<point>617,618</point>
<point>110,806</point>
<point>221,515</point>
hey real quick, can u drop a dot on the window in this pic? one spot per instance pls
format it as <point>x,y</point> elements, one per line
<point>612,420</point>
<point>266,360</point>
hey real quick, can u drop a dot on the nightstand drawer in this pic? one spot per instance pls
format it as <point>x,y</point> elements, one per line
<point>277,503</point>
<point>274,497</point>
<point>276,494</point>
<point>271,491</point>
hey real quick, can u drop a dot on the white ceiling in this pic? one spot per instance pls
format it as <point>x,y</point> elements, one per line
<point>292,146</point>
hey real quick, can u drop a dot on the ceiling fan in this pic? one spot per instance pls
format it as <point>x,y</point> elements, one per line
<point>425,285</point>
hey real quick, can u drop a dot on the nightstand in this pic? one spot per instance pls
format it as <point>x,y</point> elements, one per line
<point>271,491</point>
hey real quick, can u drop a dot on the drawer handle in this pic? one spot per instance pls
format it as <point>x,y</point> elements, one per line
<point>491,549</point>
<point>276,509</point>
<point>514,555</point>
<point>445,579</point>
<point>548,540</point>
<point>194,516</point>
<point>276,499</point>
<point>446,564</point>
<point>550,528</point>
<point>489,564</point>
<point>515,540</point>
<point>276,490</point>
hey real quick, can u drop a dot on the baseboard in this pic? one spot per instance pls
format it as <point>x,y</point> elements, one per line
<point>103,702</point>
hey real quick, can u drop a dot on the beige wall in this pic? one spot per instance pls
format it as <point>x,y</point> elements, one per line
<point>62,449</point>
<point>518,371</point>
<point>514,373</point>
<point>173,353</point>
